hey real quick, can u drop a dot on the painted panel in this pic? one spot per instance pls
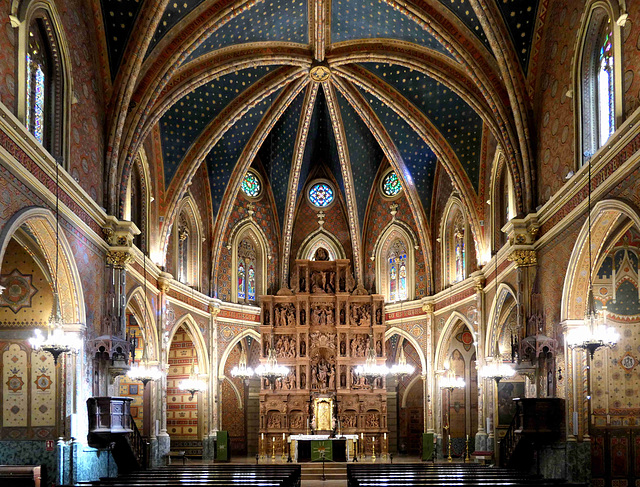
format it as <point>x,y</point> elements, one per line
<point>43,389</point>
<point>14,390</point>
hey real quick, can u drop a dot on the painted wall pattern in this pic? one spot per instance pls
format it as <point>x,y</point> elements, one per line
<point>182,410</point>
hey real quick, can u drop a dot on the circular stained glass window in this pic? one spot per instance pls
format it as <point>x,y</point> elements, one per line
<point>251,185</point>
<point>391,185</point>
<point>321,195</point>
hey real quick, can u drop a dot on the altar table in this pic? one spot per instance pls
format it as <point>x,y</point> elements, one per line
<point>306,448</point>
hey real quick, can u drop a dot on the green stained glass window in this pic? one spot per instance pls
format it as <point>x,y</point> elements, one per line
<point>251,185</point>
<point>321,194</point>
<point>391,185</point>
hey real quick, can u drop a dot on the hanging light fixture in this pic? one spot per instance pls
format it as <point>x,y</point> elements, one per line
<point>594,333</point>
<point>242,371</point>
<point>193,384</point>
<point>143,371</point>
<point>497,369</point>
<point>270,369</point>
<point>402,367</point>
<point>371,368</point>
<point>449,382</point>
<point>57,342</point>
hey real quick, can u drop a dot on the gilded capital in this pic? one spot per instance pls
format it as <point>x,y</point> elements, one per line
<point>428,307</point>
<point>118,258</point>
<point>523,258</point>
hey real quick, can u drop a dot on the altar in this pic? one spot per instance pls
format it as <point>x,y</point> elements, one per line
<point>306,448</point>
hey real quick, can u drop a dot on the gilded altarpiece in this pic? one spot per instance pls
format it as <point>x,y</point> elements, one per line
<point>321,332</point>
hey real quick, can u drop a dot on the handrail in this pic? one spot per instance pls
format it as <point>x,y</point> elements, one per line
<point>139,445</point>
<point>510,440</point>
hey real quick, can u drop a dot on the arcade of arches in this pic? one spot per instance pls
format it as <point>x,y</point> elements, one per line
<point>198,184</point>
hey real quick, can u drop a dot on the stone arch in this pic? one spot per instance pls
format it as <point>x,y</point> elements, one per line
<point>198,341</point>
<point>416,380</point>
<point>454,210</point>
<point>411,339</point>
<point>447,332</point>
<point>41,223</point>
<point>238,338</point>
<point>190,209</point>
<point>606,216</point>
<point>493,333</point>
<point>321,238</point>
<point>138,303</point>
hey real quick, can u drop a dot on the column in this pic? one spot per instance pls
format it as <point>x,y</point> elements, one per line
<point>427,379</point>
<point>481,330</point>
<point>209,439</point>
<point>164,441</point>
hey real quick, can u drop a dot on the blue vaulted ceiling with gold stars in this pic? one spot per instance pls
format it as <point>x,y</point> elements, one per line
<point>345,86</point>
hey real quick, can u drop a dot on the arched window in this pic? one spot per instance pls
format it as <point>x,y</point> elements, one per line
<point>598,74</point>
<point>455,236</point>
<point>187,243</point>
<point>246,270</point>
<point>395,262</point>
<point>397,271</point>
<point>44,97</point>
<point>249,259</point>
<point>137,204</point>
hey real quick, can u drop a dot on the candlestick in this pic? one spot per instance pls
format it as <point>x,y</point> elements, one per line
<point>273,448</point>
<point>373,449</point>
<point>284,457</point>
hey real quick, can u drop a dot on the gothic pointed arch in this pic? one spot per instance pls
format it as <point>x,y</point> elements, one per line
<point>187,238</point>
<point>502,200</point>
<point>249,260</point>
<point>44,64</point>
<point>394,254</point>
<point>136,204</point>
<point>199,342</point>
<point>141,309</point>
<point>597,78</point>
<point>455,240</point>
<point>500,313</point>
<point>321,238</point>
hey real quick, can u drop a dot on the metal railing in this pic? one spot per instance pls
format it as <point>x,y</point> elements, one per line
<point>139,445</point>
<point>510,440</point>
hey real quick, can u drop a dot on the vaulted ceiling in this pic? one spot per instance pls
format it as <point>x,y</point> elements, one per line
<point>348,84</point>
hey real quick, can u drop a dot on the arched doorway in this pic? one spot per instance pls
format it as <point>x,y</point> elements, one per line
<point>240,399</point>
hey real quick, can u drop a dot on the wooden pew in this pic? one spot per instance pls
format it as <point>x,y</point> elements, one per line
<point>23,476</point>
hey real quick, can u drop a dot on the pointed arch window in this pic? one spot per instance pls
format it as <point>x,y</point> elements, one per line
<point>459,248</point>
<point>44,111</point>
<point>183,252</point>
<point>247,264</point>
<point>598,75</point>
<point>397,271</point>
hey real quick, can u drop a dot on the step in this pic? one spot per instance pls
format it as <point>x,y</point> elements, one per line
<point>332,472</point>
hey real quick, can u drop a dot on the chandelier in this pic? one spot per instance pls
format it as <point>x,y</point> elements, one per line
<point>594,333</point>
<point>193,384</point>
<point>57,341</point>
<point>497,369</point>
<point>371,368</point>
<point>144,372</point>
<point>270,369</point>
<point>402,367</point>
<point>242,371</point>
<point>450,381</point>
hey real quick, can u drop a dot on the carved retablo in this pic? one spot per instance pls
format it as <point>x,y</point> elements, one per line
<point>321,333</point>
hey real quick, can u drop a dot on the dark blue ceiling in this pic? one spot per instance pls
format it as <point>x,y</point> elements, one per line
<point>365,154</point>
<point>375,19</point>
<point>271,20</point>
<point>321,148</point>
<point>276,153</point>
<point>174,12</point>
<point>418,157</point>
<point>450,114</point>
<point>181,125</point>
<point>464,11</point>
<point>224,156</point>
<point>119,18</point>
<point>520,16</point>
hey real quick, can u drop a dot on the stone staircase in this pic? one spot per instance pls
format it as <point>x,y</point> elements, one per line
<point>335,473</point>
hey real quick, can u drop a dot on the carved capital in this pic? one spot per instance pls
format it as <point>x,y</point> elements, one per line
<point>164,281</point>
<point>428,307</point>
<point>523,258</point>
<point>118,258</point>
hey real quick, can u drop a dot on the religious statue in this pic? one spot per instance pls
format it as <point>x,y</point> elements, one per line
<point>317,282</point>
<point>379,348</point>
<point>330,285</point>
<point>303,347</point>
<point>343,348</point>
<point>378,316</point>
<point>342,316</point>
<point>321,254</point>
<point>303,380</point>
<point>303,317</point>
<point>351,282</point>
<point>343,380</point>
<point>332,378</point>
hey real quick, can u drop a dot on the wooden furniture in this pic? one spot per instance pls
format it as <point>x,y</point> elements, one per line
<point>23,476</point>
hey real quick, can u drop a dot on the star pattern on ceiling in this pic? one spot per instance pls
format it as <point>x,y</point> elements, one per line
<point>413,119</point>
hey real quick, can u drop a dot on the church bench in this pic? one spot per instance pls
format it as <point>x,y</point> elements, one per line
<point>176,454</point>
<point>23,476</point>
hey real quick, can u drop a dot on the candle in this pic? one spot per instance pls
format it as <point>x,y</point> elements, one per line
<point>283,436</point>
<point>362,436</point>
<point>385,436</point>
<point>263,436</point>
<point>273,439</point>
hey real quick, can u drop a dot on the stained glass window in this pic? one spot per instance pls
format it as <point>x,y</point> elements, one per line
<point>321,194</point>
<point>37,95</point>
<point>251,185</point>
<point>460,255</point>
<point>251,284</point>
<point>605,95</point>
<point>397,271</point>
<point>391,185</point>
<point>241,281</point>
<point>183,255</point>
